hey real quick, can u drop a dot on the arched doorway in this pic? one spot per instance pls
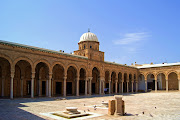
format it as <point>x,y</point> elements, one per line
<point>41,79</point>
<point>71,81</point>
<point>161,79</point>
<point>22,79</point>
<point>141,83</point>
<point>134,83</point>
<point>172,81</point>
<point>107,78</point>
<point>95,81</point>
<point>120,82</point>
<point>5,77</point>
<point>125,83</point>
<point>113,82</point>
<point>57,80</point>
<point>151,82</point>
<point>130,82</point>
<point>82,81</point>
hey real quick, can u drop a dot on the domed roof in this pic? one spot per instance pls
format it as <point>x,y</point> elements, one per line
<point>88,37</point>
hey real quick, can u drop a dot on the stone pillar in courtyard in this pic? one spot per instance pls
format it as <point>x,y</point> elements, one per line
<point>132,84</point>
<point>127,86</point>
<point>32,84</point>
<point>12,78</point>
<point>90,80</point>
<point>155,85</point>
<point>167,85</point>
<point>145,85</point>
<point>64,90</point>
<point>77,86</point>
<point>86,80</point>
<point>103,81</point>
<point>50,79</point>
<point>109,86</point>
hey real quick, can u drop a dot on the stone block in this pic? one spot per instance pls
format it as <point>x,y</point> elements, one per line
<point>118,105</point>
<point>111,108</point>
<point>123,107</point>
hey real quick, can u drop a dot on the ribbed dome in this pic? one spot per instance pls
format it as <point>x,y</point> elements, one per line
<point>88,37</point>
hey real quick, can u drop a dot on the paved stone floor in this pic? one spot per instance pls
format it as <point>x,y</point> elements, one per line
<point>167,106</point>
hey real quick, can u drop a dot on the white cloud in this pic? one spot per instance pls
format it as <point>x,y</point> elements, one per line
<point>130,38</point>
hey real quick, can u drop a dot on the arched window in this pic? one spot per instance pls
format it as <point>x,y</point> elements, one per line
<point>90,46</point>
<point>84,46</point>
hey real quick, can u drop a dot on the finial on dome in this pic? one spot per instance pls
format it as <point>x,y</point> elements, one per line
<point>88,29</point>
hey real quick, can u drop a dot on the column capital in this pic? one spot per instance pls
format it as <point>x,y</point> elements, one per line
<point>12,75</point>
<point>116,80</point>
<point>109,80</point>
<point>90,78</point>
<point>102,78</point>
<point>65,78</point>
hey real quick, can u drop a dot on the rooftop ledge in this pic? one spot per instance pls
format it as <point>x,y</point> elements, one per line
<point>40,49</point>
<point>158,65</point>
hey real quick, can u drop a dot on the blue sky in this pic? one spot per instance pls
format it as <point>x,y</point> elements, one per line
<point>129,31</point>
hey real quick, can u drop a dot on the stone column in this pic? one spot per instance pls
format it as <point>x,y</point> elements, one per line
<point>179,84</point>
<point>12,77</point>
<point>77,86</point>
<point>116,81</point>
<point>22,78</point>
<point>90,80</point>
<point>167,85</point>
<point>145,85</point>
<point>32,84</point>
<point>50,78</point>
<point>132,86</point>
<point>136,86</point>
<point>122,86</point>
<point>127,86</point>
<point>103,87</point>
<point>2,87</point>
<point>47,88</point>
<point>109,86</point>
<point>155,85</point>
<point>86,86</point>
<point>65,78</point>
<point>100,86</point>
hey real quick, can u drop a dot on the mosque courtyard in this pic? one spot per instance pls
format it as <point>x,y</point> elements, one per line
<point>141,106</point>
